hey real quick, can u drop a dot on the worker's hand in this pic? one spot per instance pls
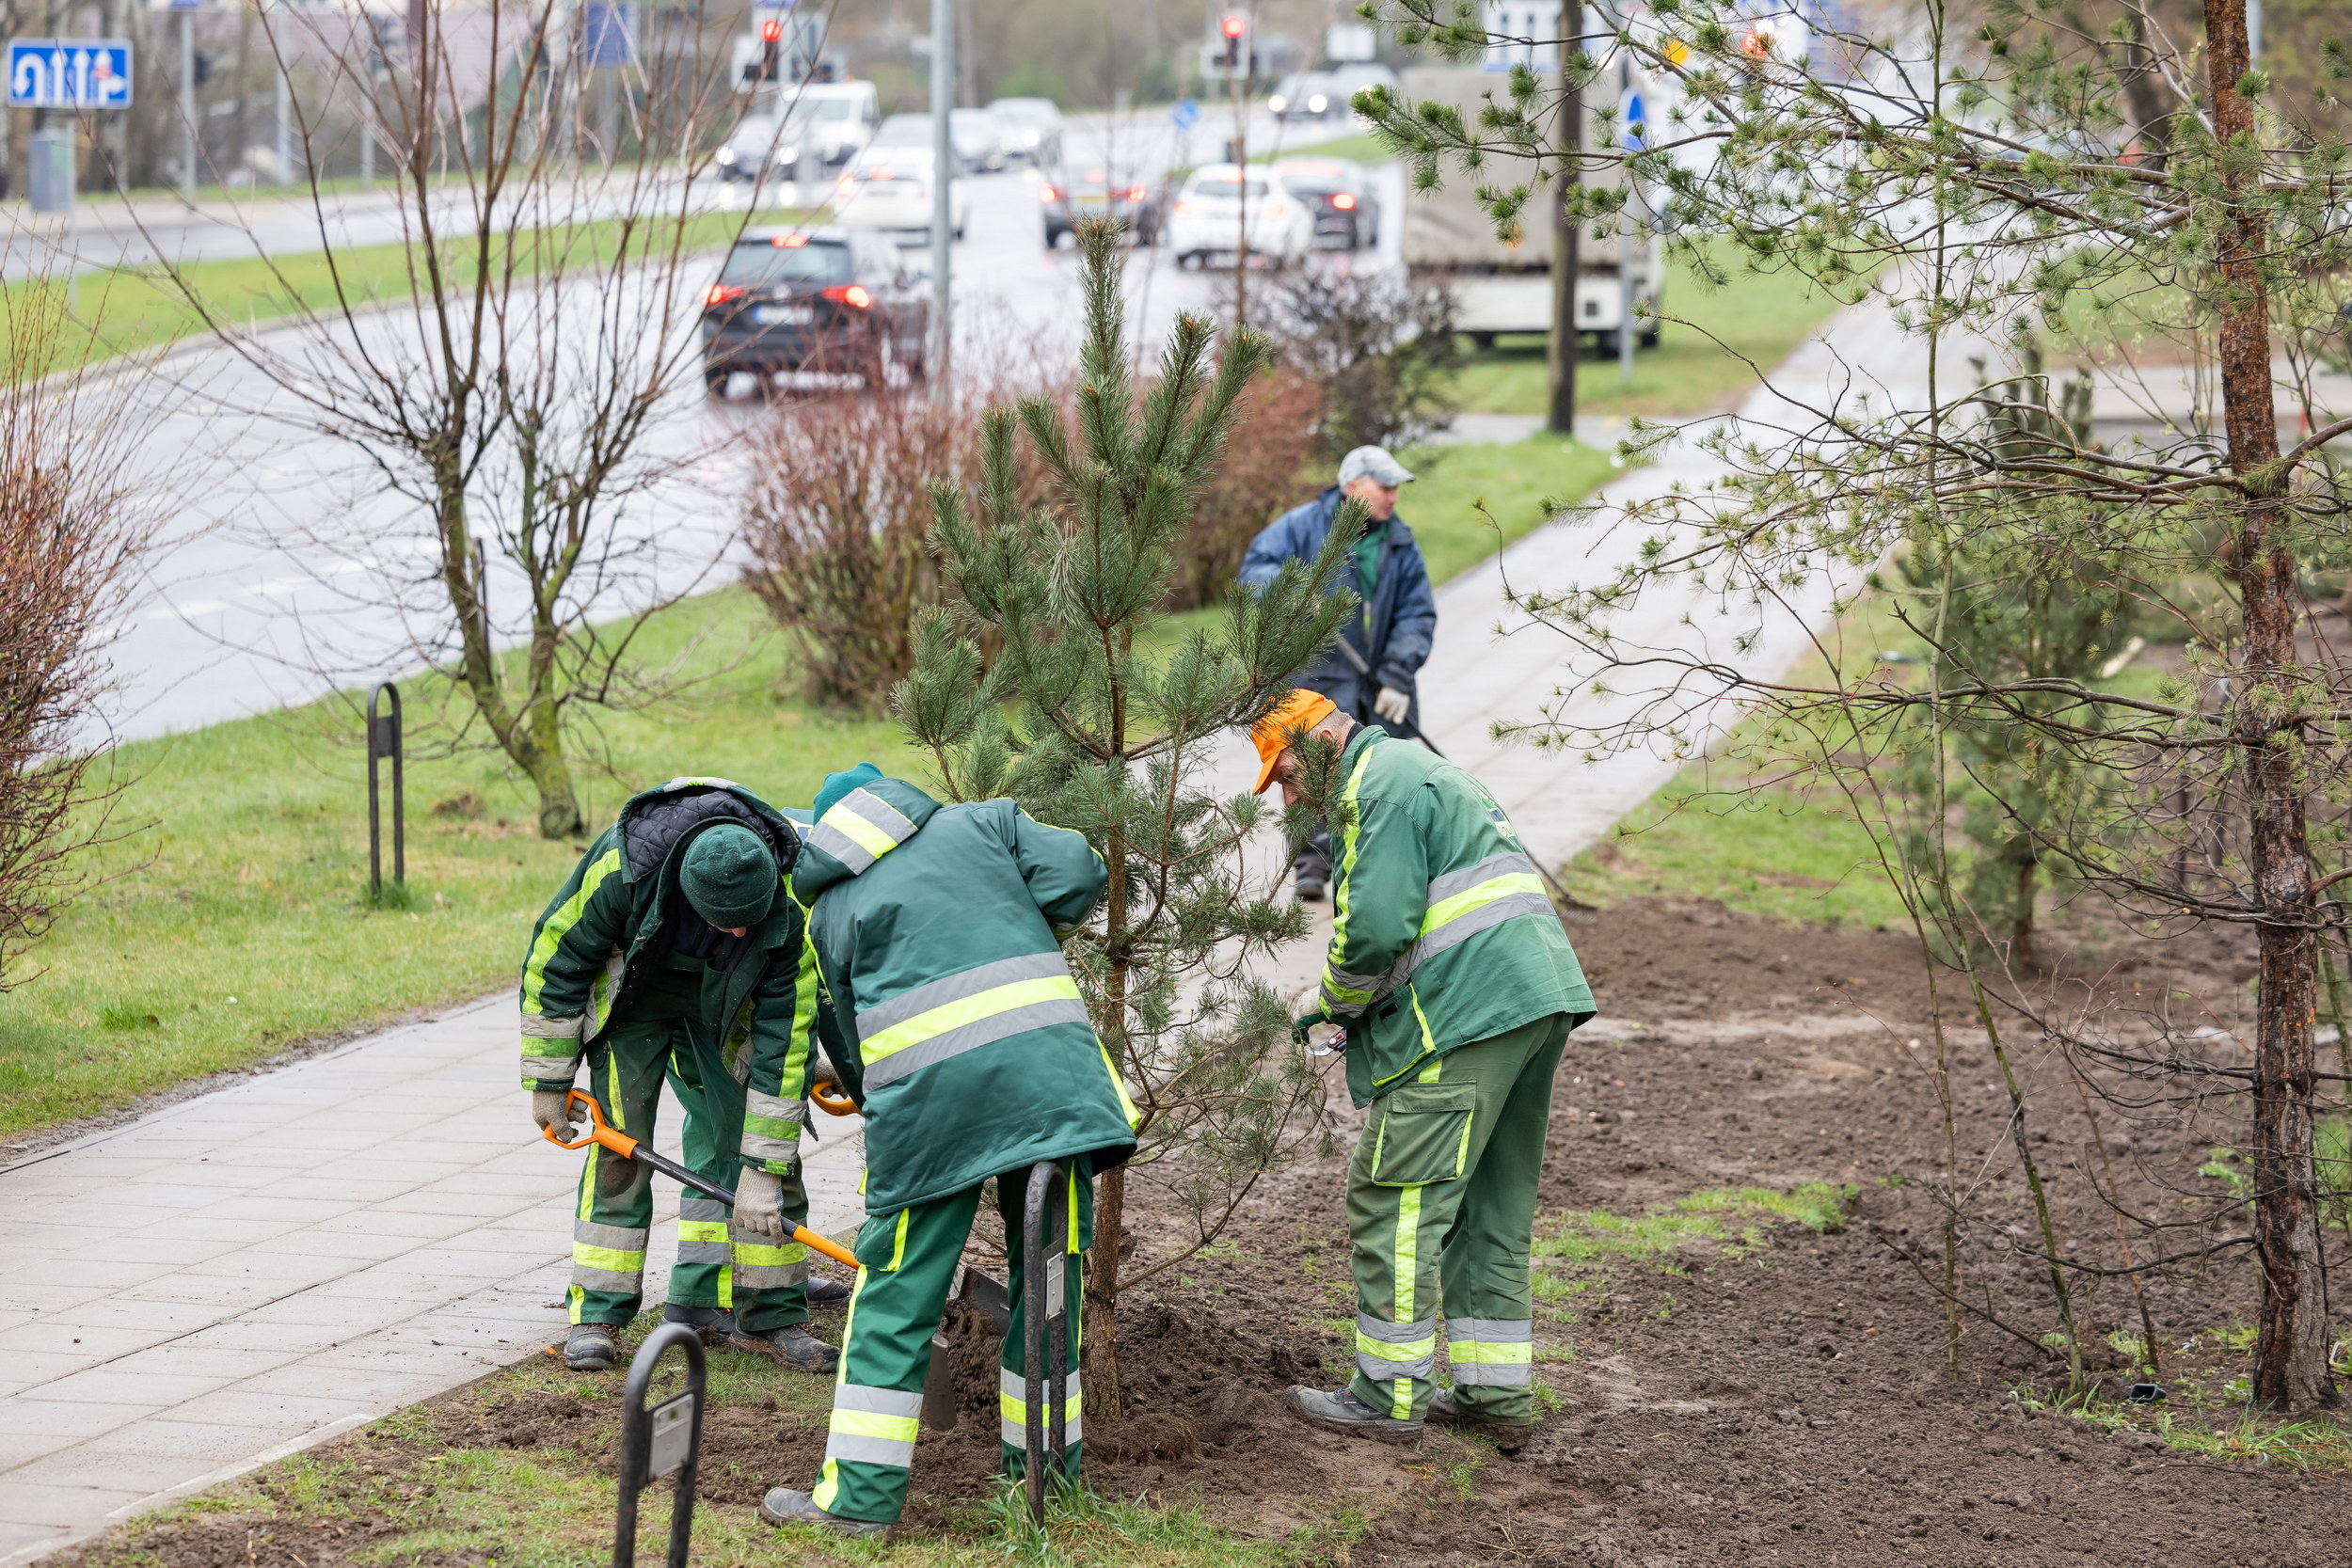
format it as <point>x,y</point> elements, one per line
<point>759,1203</point>
<point>551,1109</point>
<point>1392,704</point>
<point>1300,1026</point>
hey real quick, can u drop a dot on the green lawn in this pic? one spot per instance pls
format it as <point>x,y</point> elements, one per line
<point>124,310</point>
<point>1468,502</point>
<point>1762,316</point>
<point>236,922</point>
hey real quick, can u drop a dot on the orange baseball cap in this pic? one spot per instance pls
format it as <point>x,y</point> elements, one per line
<point>1289,719</point>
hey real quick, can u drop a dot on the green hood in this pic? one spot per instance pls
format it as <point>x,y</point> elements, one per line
<point>857,831</point>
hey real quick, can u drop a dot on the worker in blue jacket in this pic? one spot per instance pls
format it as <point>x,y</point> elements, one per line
<point>1371,673</point>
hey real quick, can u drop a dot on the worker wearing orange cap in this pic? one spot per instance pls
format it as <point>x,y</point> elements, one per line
<point>1456,984</point>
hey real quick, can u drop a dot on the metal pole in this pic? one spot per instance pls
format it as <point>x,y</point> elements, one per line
<point>1561,361</point>
<point>285,127</point>
<point>943,189</point>
<point>384,740</point>
<point>187,104</point>
<point>1034,1312</point>
<point>1628,247</point>
<point>654,1441</point>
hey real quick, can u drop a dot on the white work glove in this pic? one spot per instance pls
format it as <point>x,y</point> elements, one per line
<point>552,1108</point>
<point>759,1203</point>
<point>1392,704</point>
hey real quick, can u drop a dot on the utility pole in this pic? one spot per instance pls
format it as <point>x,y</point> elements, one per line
<point>1233,26</point>
<point>935,353</point>
<point>187,100</point>
<point>1559,364</point>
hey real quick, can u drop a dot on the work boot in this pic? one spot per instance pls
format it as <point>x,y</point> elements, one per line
<point>791,1344</point>
<point>1309,887</point>
<point>784,1506</point>
<point>1343,1412</point>
<point>827,1292</point>
<point>716,1324</point>
<point>592,1348</point>
<point>1509,1437</point>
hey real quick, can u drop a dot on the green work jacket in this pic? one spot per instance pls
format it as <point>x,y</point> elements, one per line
<point>1440,932</point>
<point>595,960</point>
<point>946,1005</point>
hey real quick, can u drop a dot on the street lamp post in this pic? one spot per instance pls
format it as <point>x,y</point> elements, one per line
<point>943,187</point>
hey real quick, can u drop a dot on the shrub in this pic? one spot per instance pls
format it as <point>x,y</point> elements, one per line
<point>1264,474</point>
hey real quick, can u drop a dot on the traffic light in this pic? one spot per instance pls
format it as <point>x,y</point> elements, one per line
<point>771,49</point>
<point>1233,26</point>
<point>201,67</point>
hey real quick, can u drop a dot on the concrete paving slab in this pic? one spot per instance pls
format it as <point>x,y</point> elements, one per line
<point>29,1412</point>
<point>33,1503</point>
<point>54,1336</point>
<point>23,1448</point>
<point>109,1386</point>
<point>145,1473</point>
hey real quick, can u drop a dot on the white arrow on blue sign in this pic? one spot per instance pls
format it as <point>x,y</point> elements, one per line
<point>69,74</point>
<point>1185,115</point>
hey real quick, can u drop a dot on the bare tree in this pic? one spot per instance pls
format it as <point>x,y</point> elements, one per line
<point>2143,195</point>
<point>518,383</point>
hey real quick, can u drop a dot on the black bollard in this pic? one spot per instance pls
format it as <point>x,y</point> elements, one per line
<point>384,740</point>
<point>657,1441</point>
<point>1045,1331</point>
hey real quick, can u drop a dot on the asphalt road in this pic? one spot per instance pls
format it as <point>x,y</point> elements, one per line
<point>286,567</point>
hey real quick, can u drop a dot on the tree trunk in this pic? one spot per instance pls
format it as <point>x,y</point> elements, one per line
<point>2021,917</point>
<point>2291,1353</point>
<point>1102,1403</point>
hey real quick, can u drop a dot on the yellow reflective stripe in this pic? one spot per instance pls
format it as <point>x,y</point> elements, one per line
<point>1413,1351</point>
<point>1126,1108</point>
<point>866,1423</point>
<point>828,1486</point>
<point>1014,1408</point>
<point>796,1054</point>
<point>558,924</point>
<point>610,1260</point>
<point>756,1255</point>
<point>1476,897</point>
<point>1408,1256</point>
<point>1343,992</point>
<point>858,831</point>
<point>1339,899</point>
<point>969,1009</point>
<point>1481,1352</point>
<point>898,1244</point>
<point>702,1231</point>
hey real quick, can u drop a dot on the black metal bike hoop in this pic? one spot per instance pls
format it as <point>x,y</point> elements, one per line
<point>637,1444</point>
<point>1045,1332</point>
<point>384,740</point>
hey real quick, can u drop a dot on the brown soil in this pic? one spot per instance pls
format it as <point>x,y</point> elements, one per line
<point>1789,1408</point>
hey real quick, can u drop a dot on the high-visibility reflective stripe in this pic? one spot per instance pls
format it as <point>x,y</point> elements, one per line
<point>608,1259</point>
<point>860,829</point>
<point>1013,1407</point>
<point>1126,1108</point>
<point>536,1027</point>
<point>695,1206</point>
<point>874,1426</point>
<point>763,1149</point>
<point>558,1070</point>
<point>559,923</point>
<point>612,1282</point>
<point>1495,1352</point>
<point>699,780</point>
<point>915,1002</point>
<point>759,1266</point>
<point>1441,888</point>
<point>1497,1331</point>
<point>625,1238</point>
<point>765,1256</point>
<point>1495,1374</point>
<point>898,1242</point>
<point>1485,1352</point>
<point>692,1254</point>
<point>984,1013</point>
<point>1405,1260</point>
<point>702,1235</point>
<point>1345,995</point>
<point>1342,903</point>
<point>775,1108</point>
<point>1386,1350</point>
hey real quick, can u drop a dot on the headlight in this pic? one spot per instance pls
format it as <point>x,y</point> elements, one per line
<point>725,155</point>
<point>1316,104</point>
<point>788,155</point>
<point>1277,102</point>
<point>1029,138</point>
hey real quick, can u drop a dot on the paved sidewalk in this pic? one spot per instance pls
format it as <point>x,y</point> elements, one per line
<point>256,1270</point>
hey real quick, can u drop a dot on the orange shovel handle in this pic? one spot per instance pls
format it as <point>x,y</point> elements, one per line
<point>841,1106</point>
<point>598,1131</point>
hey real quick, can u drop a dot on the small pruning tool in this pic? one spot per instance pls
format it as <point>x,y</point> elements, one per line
<point>603,1132</point>
<point>1335,1043</point>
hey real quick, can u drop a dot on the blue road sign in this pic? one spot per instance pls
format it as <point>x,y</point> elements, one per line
<point>1185,115</point>
<point>1636,122</point>
<point>69,74</point>
<point>606,34</point>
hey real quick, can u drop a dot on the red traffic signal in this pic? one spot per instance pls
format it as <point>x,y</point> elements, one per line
<point>1233,25</point>
<point>772,31</point>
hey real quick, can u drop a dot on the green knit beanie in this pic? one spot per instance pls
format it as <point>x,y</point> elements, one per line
<point>837,785</point>
<point>729,877</point>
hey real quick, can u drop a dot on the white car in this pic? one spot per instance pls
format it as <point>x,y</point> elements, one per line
<point>840,116</point>
<point>979,140</point>
<point>1206,219</point>
<point>889,188</point>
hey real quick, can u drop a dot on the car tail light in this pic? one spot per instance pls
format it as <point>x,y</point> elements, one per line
<point>790,242</point>
<point>1046,193</point>
<point>1134,193</point>
<point>723,294</point>
<point>1183,206</point>
<point>851,294</point>
<point>1344,202</point>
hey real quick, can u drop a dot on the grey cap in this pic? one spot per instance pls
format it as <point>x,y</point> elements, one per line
<point>1373,463</point>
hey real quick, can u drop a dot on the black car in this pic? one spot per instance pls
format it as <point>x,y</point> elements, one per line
<point>812,300</point>
<point>1094,193</point>
<point>1347,214</point>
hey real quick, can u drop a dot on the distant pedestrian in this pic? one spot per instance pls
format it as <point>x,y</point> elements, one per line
<point>1373,672</point>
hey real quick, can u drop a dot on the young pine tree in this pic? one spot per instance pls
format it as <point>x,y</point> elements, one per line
<point>1094,715</point>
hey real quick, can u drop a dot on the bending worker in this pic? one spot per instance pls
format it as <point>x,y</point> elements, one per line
<point>958,1029</point>
<point>673,949</point>
<point>1372,671</point>
<point>1456,986</point>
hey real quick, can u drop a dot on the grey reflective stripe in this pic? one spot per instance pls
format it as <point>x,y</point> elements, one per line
<point>704,1252</point>
<point>1012,1404</point>
<point>549,1069</point>
<point>955,988</point>
<point>986,1031</point>
<point>1509,906</point>
<point>1380,1371</point>
<point>1340,1011</point>
<point>1507,1375</point>
<point>758,1146</point>
<point>606,1280</point>
<point>693,1206</point>
<point>878,1402</point>
<point>619,1237</point>
<point>770,1276</point>
<point>840,845</point>
<point>881,813</point>
<point>891,1452</point>
<point>1445,887</point>
<point>1493,1331</point>
<point>1395,1334</point>
<point>536,1027</point>
<point>775,1107</point>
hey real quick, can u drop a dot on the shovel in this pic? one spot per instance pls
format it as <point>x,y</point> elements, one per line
<point>600,1132</point>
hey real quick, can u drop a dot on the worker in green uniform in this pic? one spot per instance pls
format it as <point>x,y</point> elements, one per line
<point>959,1030</point>
<point>1457,987</point>
<point>672,949</point>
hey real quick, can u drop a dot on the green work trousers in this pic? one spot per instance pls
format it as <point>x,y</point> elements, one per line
<point>907,1266</point>
<point>1442,1211</point>
<point>765,1284</point>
